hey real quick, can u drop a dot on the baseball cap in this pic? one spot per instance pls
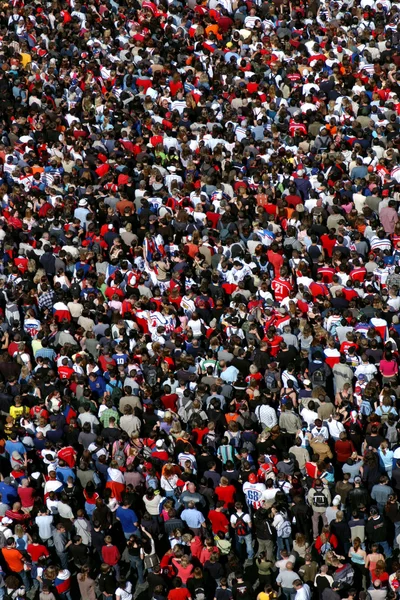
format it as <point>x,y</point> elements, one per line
<point>357,479</point>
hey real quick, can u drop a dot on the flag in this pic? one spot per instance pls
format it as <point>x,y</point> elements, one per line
<point>115,482</point>
<point>69,413</point>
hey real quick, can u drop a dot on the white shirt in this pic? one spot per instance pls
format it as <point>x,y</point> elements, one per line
<point>125,594</point>
<point>243,516</point>
<point>303,593</point>
<point>44,523</point>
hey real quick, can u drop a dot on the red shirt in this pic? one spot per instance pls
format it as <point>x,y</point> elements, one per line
<point>218,520</point>
<point>199,434</point>
<point>226,494</point>
<point>328,243</point>
<point>274,344</point>
<point>169,401</point>
<point>69,455</point>
<point>281,288</point>
<point>65,372</point>
<point>343,449</point>
<point>36,551</point>
<point>110,555</point>
<point>27,496</point>
<point>179,594</point>
<point>327,274</point>
<point>276,260</point>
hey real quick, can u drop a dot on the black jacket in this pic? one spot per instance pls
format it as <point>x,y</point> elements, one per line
<point>376,530</point>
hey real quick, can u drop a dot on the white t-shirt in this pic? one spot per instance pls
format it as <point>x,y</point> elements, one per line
<point>242,515</point>
<point>44,523</point>
<point>125,594</point>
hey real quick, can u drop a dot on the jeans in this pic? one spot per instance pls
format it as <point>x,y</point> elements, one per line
<point>25,579</point>
<point>245,539</point>
<point>381,506</point>
<point>63,556</point>
<point>289,593</point>
<point>283,544</point>
<point>387,551</point>
<point>137,563</point>
<point>396,533</point>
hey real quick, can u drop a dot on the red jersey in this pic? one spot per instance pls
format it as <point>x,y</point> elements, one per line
<point>273,344</point>
<point>327,274</point>
<point>69,455</point>
<point>318,289</point>
<point>65,372</point>
<point>328,243</point>
<point>276,260</point>
<point>358,274</point>
<point>281,288</point>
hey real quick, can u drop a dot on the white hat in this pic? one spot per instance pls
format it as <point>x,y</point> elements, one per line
<point>6,521</point>
<point>300,172</point>
<point>82,202</point>
<point>336,501</point>
<point>307,382</point>
<point>172,169</point>
<point>159,443</point>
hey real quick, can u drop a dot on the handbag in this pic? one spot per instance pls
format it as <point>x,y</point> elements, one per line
<point>151,561</point>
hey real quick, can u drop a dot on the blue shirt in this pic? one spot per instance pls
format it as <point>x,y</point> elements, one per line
<point>127,518</point>
<point>98,386</point>
<point>11,447</point>
<point>8,493</point>
<point>63,473</point>
<point>230,374</point>
<point>192,517</point>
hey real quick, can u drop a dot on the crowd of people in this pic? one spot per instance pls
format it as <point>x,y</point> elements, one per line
<point>199,300</point>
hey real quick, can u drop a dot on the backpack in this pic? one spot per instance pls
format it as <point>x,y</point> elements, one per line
<point>270,381</point>
<point>365,408</point>
<point>210,439</point>
<point>249,446</point>
<point>116,393</point>
<point>199,594</point>
<point>391,433</point>
<point>119,455</point>
<point>318,378</point>
<point>345,577</point>
<point>325,548</point>
<point>320,500</point>
<point>234,440</point>
<point>241,526</point>
<point>263,528</point>
<point>12,314</point>
<point>285,531</point>
<point>151,376</point>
